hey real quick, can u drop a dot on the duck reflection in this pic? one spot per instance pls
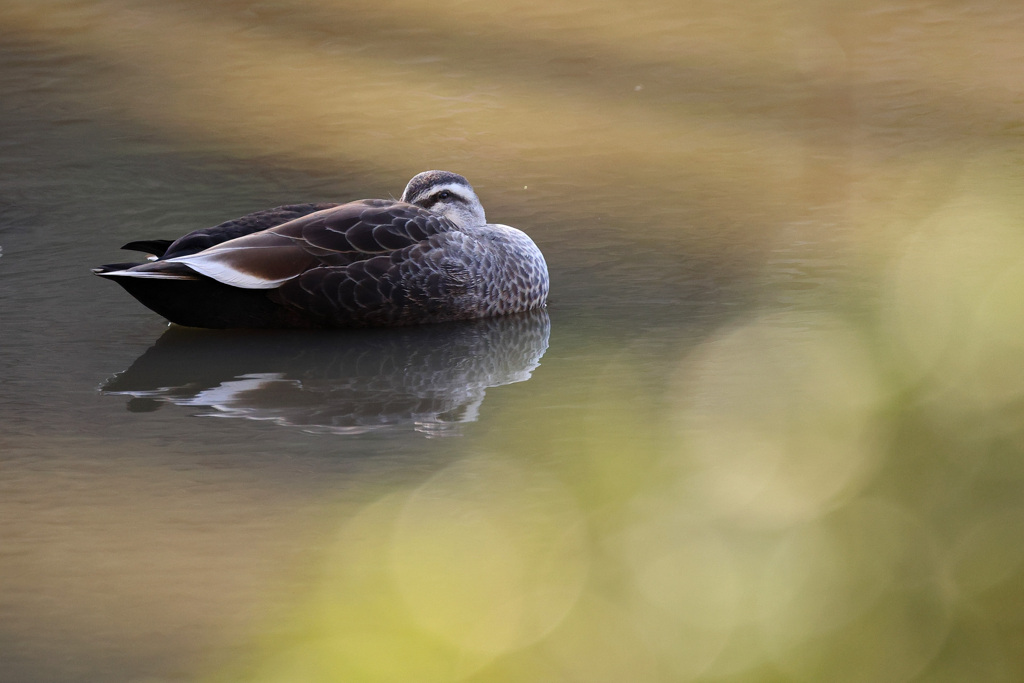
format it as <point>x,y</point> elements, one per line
<point>431,378</point>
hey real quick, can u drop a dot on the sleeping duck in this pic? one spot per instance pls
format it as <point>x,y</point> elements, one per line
<point>430,257</point>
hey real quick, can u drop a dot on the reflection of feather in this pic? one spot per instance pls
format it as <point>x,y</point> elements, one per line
<point>430,377</point>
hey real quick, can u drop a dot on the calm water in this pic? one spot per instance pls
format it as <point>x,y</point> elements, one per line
<point>769,428</point>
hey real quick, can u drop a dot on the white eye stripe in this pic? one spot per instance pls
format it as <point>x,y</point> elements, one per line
<point>434,190</point>
<point>446,194</point>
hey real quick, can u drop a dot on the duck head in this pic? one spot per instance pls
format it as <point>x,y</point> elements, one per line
<point>446,194</point>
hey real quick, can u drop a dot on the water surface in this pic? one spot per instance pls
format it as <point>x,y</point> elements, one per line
<point>768,429</point>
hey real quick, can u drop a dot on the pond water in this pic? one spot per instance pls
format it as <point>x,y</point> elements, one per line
<point>769,427</point>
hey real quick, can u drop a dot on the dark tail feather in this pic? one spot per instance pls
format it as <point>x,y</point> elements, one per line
<point>103,270</point>
<point>155,247</point>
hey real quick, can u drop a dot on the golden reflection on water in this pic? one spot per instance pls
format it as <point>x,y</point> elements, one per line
<point>827,490</point>
<point>802,105</point>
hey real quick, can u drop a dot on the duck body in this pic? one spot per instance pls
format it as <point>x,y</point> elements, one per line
<point>429,257</point>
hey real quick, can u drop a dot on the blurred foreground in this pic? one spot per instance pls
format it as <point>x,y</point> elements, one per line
<point>810,496</point>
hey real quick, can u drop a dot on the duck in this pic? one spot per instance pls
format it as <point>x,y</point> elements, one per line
<point>429,257</point>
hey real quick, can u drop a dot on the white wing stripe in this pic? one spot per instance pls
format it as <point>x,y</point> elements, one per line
<point>212,265</point>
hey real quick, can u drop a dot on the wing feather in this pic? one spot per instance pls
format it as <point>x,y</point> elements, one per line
<point>199,240</point>
<point>365,228</point>
<point>426,281</point>
<point>346,235</point>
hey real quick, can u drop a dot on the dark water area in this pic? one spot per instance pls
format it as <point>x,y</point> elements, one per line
<point>767,429</point>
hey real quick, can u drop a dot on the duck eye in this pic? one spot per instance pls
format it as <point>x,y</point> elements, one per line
<point>443,194</point>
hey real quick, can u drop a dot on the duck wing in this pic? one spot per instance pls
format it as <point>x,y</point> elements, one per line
<point>437,279</point>
<point>334,237</point>
<point>198,240</point>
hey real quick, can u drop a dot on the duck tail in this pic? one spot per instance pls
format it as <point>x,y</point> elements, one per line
<point>155,247</point>
<point>147,271</point>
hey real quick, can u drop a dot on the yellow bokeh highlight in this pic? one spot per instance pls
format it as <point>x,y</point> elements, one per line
<point>856,596</point>
<point>434,583</point>
<point>490,573</point>
<point>775,419</point>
